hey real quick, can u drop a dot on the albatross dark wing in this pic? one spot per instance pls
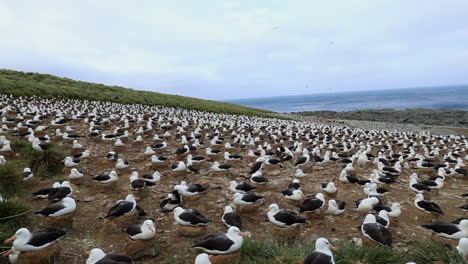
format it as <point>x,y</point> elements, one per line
<point>310,204</point>
<point>232,219</point>
<point>115,259</point>
<point>134,229</point>
<point>218,242</point>
<point>45,236</point>
<point>430,206</point>
<point>196,188</point>
<point>42,192</point>
<point>251,197</point>
<point>51,209</point>
<point>194,217</point>
<point>244,187</point>
<point>255,167</point>
<point>289,218</point>
<point>300,161</point>
<point>59,193</point>
<point>318,258</point>
<point>443,227</point>
<point>380,207</point>
<point>378,233</point>
<point>102,177</point>
<point>121,208</point>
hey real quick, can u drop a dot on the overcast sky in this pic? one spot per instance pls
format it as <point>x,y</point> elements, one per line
<point>237,49</point>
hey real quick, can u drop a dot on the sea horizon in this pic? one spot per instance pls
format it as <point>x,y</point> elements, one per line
<point>450,97</point>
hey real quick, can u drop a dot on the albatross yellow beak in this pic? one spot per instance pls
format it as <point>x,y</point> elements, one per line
<point>10,239</point>
<point>334,248</point>
<point>8,253</point>
<point>244,234</point>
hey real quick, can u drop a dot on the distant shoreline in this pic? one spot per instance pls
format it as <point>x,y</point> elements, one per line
<point>428,117</point>
<point>390,90</point>
<point>437,97</point>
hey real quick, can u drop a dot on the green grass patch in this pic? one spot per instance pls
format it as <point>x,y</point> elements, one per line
<point>23,148</point>
<point>14,214</point>
<point>48,163</point>
<point>19,83</point>
<point>351,254</point>
<point>44,164</point>
<point>273,252</point>
<point>10,180</point>
<point>428,252</point>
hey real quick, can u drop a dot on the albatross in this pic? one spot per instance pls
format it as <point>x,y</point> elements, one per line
<point>123,207</point>
<point>322,253</point>
<point>222,243</point>
<point>24,240</point>
<point>376,232</point>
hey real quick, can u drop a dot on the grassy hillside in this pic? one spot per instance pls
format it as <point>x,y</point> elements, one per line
<point>27,84</point>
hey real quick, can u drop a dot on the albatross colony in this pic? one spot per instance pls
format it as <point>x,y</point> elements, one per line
<point>132,163</point>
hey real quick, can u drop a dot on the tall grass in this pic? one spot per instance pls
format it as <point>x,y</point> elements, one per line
<point>44,164</point>
<point>351,254</point>
<point>421,252</point>
<point>23,148</point>
<point>48,163</point>
<point>273,252</point>
<point>10,180</point>
<point>428,252</point>
<point>13,215</point>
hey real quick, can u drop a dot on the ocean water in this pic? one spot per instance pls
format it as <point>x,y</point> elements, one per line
<point>448,97</point>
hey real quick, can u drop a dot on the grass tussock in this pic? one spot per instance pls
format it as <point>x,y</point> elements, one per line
<point>13,215</point>
<point>431,251</point>
<point>23,148</point>
<point>273,252</point>
<point>10,180</point>
<point>44,85</point>
<point>351,254</point>
<point>48,163</point>
<point>44,164</point>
